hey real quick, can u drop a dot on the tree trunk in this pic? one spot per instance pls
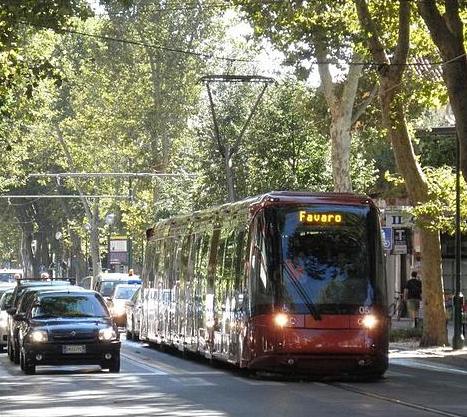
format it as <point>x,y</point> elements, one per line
<point>447,32</point>
<point>229,174</point>
<point>340,154</point>
<point>393,116</point>
<point>94,242</point>
<point>434,322</point>
<point>78,264</point>
<point>341,109</point>
<point>27,257</point>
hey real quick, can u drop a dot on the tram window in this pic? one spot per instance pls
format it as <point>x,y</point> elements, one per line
<point>241,249</point>
<point>185,250</point>
<point>261,287</point>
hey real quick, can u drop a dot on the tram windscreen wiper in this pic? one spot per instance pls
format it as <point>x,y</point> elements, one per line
<point>301,290</point>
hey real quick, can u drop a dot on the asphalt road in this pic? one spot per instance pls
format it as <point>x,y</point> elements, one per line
<point>154,383</point>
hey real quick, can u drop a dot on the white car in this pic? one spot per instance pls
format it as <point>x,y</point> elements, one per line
<point>119,298</point>
<point>5,300</point>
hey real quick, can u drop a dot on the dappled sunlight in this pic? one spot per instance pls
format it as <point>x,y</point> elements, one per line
<point>89,391</point>
<point>433,352</point>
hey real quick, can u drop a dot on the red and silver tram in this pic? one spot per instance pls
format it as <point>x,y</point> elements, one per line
<point>284,282</point>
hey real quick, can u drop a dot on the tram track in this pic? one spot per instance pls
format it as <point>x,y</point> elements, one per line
<point>392,400</point>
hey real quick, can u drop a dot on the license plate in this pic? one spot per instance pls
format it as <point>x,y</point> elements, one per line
<point>74,349</point>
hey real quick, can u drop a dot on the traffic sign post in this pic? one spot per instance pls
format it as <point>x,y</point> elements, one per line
<point>387,238</point>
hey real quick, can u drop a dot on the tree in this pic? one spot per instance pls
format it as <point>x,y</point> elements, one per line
<point>316,30</point>
<point>18,22</point>
<point>285,149</point>
<point>447,32</point>
<point>390,73</point>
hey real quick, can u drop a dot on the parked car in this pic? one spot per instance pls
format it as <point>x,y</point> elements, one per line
<point>68,327</point>
<point>107,281</point>
<point>4,287</point>
<point>133,315</point>
<point>118,300</point>
<point>86,282</point>
<point>5,301</point>
<point>9,275</point>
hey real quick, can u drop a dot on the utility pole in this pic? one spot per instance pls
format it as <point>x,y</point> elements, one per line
<point>226,149</point>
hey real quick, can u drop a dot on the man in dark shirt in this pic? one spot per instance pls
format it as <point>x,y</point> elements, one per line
<point>413,296</point>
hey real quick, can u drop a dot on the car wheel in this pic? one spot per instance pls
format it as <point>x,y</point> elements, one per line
<point>21,361</point>
<point>29,369</point>
<point>16,355</point>
<point>133,332</point>
<point>114,366</point>
<point>10,350</point>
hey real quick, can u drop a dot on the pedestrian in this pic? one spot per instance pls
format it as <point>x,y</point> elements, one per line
<point>413,296</point>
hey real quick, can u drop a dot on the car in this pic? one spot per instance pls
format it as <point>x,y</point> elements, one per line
<point>23,302</point>
<point>86,282</point>
<point>21,287</point>
<point>118,300</point>
<point>5,300</point>
<point>133,315</point>
<point>5,286</point>
<point>9,275</point>
<point>68,328</point>
<point>107,281</point>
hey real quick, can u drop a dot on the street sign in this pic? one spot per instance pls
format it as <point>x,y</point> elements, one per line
<point>387,238</point>
<point>118,250</point>
<point>400,242</point>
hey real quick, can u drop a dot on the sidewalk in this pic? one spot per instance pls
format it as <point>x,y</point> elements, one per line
<point>411,349</point>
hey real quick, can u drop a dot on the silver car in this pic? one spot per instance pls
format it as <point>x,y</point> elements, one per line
<point>133,315</point>
<point>5,301</point>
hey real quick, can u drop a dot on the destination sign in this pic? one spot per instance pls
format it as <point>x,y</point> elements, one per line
<point>319,218</point>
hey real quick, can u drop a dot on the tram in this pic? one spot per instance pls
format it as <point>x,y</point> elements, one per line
<point>288,282</point>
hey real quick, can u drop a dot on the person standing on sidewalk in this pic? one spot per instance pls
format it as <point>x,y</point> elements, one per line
<point>413,296</point>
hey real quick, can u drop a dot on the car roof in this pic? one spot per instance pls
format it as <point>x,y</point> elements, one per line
<point>64,292</point>
<point>116,276</point>
<point>39,283</point>
<point>128,285</point>
<point>43,288</point>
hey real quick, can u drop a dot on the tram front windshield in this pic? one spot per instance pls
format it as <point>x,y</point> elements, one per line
<point>325,259</point>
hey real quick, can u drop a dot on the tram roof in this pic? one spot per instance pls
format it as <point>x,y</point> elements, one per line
<point>272,197</point>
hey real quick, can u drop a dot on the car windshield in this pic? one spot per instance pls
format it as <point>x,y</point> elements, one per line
<point>70,305</point>
<point>107,287</point>
<point>124,293</point>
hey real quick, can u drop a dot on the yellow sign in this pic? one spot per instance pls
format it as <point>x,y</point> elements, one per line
<point>320,218</point>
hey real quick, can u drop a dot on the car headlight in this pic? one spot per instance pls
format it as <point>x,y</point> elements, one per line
<point>118,309</point>
<point>107,334</point>
<point>38,336</point>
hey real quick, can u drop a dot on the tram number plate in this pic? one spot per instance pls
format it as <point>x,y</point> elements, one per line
<point>74,349</point>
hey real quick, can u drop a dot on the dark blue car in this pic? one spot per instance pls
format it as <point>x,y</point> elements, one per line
<point>71,327</point>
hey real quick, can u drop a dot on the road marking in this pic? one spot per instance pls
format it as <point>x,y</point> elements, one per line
<point>410,363</point>
<point>153,369</point>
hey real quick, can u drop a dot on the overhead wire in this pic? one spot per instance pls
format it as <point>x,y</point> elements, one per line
<point>224,58</point>
<point>138,43</point>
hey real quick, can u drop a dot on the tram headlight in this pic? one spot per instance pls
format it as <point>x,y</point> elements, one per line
<point>369,321</point>
<point>281,319</point>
